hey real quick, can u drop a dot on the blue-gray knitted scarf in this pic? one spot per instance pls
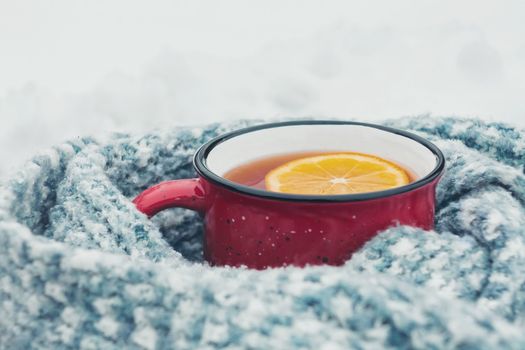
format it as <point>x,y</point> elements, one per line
<point>80,267</point>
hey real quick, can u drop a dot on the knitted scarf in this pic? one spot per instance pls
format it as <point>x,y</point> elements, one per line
<point>80,267</point>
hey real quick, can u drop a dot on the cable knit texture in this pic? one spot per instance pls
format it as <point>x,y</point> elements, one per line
<point>81,268</point>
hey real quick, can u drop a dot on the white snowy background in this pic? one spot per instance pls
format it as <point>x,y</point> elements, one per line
<point>71,68</point>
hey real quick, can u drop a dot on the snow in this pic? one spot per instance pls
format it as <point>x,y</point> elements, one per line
<point>108,326</point>
<point>55,291</point>
<point>72,317</point>
<point>513,248</point>
<point>145,337</point>
<point>403,247</point>
<point>70,69</point>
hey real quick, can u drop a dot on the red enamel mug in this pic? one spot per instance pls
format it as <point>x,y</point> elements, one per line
<point>259,229</point>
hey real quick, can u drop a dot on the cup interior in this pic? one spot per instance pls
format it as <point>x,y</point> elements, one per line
<point>402,148</point>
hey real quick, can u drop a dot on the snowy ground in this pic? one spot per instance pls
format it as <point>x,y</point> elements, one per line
<point>70,68</point>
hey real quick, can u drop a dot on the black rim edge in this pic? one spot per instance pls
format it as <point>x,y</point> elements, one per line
<point>199,162</point>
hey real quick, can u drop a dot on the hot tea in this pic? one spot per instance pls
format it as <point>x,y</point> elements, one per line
<point>321,173</point>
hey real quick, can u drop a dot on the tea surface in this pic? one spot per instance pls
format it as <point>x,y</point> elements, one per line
<point>253,173</point>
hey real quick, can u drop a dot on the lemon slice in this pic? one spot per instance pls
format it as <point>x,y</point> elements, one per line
<point>338,173</point>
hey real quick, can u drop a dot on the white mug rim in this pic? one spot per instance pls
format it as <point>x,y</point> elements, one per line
<point>203,170</point>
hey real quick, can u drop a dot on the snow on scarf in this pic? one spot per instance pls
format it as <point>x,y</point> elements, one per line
<point>81,268</point>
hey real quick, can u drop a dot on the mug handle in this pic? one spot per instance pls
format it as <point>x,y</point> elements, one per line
<point>186,193</point>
